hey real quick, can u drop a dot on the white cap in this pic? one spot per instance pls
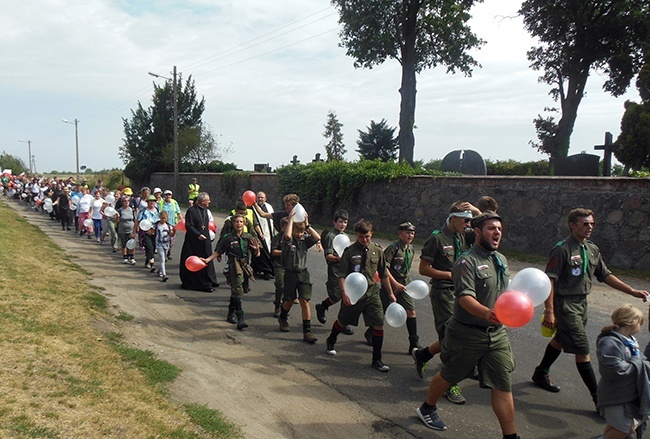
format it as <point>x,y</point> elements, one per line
<point>157,191</point>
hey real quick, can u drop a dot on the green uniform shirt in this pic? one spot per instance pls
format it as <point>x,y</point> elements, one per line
<point>365,260</point>
<point>276,244</point>
<point>572,267</point>
<point>328,249</point>
<point>398,260</point>
<point>235,246</point>
<point>441,250</point>
<point>294,253</point>
<point>477,274</point>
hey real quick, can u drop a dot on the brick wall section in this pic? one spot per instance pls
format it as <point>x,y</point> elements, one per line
<point>534,208</point>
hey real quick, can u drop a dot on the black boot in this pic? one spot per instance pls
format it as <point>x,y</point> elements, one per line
<point>231,315</point>
<point>241,323</point>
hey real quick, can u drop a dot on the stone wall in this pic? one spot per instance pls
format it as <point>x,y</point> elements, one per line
<point>534,208</point>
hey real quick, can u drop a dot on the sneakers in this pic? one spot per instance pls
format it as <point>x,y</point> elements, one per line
<point>309,337</point>
<point>431,418</point>
<point>132,261</point>
<point>152,268</point>
<point>543,380</point>
<point>330,347</point>
<point>348,330</point>
<point>320,313</point>
<point>420,365</point>
<point>380,366</point>
<point>125,261</point>
<point>284,324</point>
<point>368,336</point>
<point>165,278</point>
<point>454,396</point>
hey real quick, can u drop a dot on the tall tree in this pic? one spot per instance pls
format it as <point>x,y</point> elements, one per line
<point>8,161</point>
<point>418,34</point>
<point>578,36</point>
<point>150,132</point>
<point>378,142</point>
<point>335,147</point>
<point>634,141</point>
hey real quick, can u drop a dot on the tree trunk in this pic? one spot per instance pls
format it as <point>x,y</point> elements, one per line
<point>408,86</point>
<point>570,104</point>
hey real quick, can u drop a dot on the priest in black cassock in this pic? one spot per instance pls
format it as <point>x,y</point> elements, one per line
<point>197,243</point>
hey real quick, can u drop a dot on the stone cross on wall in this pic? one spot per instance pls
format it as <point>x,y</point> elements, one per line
<point>608,148</point>
<point>295,160</point>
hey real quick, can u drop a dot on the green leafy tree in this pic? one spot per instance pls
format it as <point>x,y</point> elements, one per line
<point>149,133</point>
<point>418,34</point>
<point>17,166</point>
<point>335,148</point>
<point>378,142</point>
<point>578,36</point>
<point>634,141</point>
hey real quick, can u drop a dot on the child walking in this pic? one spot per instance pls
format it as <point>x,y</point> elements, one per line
<point>164,233</point>
<point>295,245</point>
<point>624,386</point>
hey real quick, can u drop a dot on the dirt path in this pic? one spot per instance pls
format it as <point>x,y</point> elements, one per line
<point>267,398</point>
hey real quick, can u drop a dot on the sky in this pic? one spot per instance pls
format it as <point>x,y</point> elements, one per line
<point>270,72</point>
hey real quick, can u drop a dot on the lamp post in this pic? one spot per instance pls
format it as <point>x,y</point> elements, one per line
<point>29,148</point>
<point>175,104</point>
<point>76,142</point>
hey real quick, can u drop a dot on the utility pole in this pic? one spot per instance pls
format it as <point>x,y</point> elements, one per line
<point>29,150</point>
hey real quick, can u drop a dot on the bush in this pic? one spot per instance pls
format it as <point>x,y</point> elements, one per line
<point>512,167</point>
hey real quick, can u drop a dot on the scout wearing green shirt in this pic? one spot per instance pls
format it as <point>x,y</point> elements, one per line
<point>364,257</point>
<point>474,334</point>
<point>399,257</point>
<point>295,245</point>
<point>332,258</point>
<point>278,268</point>
<point>237,245</point>
<point>439,253</point>
<point>572,265</point>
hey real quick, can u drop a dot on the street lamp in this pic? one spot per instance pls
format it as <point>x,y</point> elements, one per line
<point>175,99</point>
<point>29,148</point>
<point>76,141</point>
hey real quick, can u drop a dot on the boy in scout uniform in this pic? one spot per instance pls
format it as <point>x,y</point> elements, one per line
<point>572,265</point>
<point>297,284</point>
<point>237,245</point>
<point>278,268</point>
<point>332,258</point>
<point>440,251</point>
<point>363,257</point>
<point>399,257</point>
<point>474,334</point>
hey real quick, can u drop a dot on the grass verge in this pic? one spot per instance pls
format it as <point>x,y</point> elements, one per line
<point>59,377</point>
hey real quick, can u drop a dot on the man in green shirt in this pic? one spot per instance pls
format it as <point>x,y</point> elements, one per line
<point>572,265</point>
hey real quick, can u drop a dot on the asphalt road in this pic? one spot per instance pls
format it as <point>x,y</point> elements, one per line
<point>394,396</point>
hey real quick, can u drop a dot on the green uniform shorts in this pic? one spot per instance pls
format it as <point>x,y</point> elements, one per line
<point>442,304</point>
<point>296,285</point>
<point>402,298</point>
<point>571,321</point>
<point>463,347</point>
<point>370,307</point>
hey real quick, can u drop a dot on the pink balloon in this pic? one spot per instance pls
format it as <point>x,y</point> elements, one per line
<point>180,225</point>
<point>249,198</point>
<point>194,263</point>
<point>514,308</point>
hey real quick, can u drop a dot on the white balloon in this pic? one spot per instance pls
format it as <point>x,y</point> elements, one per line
<point>145,225</point>
<point>48,208</point>
<point>109,211</point>
<point>395,315</point>
<point>75,199</point>
<point>47,201</point>
<point>110,199</point>
<point>299,213</point>
<point>355,286</point>
<point>24,195</point>
<point>340,243</point>
<point>73,206</point>
<point>88,222</point>
<point>534,283</point>
<point>130,244</point>
<point>212,235</point>
<point>417,289</point>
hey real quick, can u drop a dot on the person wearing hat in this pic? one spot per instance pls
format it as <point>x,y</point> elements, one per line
<point>439,253</point>
<point>399,257</point>
<point>169,205</point>
<point>474,334</point>
<point>193,191</point>
<point>157,192</point>
<point>147,237</point>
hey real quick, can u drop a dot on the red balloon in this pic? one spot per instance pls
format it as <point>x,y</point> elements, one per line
<point>212,226</point>
<point>249,198</point>
<point>377,279</point>
<point>180,225</point>
<point>514,309</point>
<point>194,263</point>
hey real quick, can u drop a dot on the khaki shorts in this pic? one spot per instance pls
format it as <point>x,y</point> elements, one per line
<point>571,321</point>
<point>463,347</point>
<point>296,285</point>
<point>369,306</point>
<point>402,298</point>
<point>442,304</point>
